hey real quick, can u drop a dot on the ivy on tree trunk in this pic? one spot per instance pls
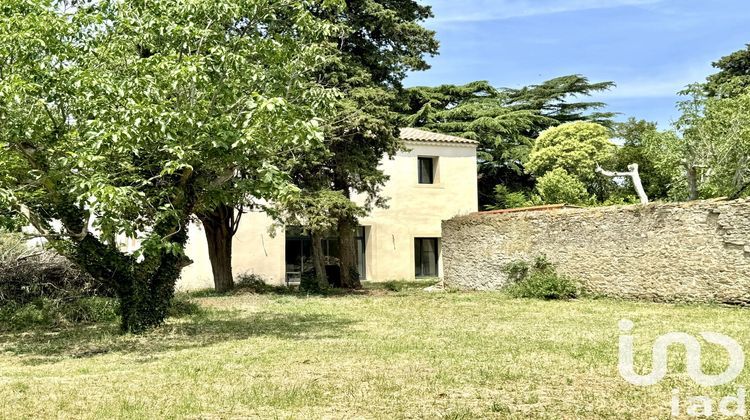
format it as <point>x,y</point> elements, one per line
<point>144,287</point>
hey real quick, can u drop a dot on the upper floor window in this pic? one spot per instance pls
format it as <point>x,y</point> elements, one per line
<point>426,170</point>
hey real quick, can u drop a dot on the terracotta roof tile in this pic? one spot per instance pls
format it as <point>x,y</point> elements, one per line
<point>414,134</point>
<point>550,207</point>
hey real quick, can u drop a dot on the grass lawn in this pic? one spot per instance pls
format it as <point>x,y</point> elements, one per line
<point>378,354</point>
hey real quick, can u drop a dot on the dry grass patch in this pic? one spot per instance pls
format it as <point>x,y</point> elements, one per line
<point>378,354</point>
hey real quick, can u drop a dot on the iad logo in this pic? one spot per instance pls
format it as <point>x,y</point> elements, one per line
<point>698,406</point>
<point>693,348</point>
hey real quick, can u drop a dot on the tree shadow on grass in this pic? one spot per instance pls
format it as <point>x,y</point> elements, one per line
<point>201,330</point>
<point>369,289</point>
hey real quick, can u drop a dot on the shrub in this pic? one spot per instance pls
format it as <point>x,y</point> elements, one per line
<point>539,280</point>
<point>517,271</point>
<point>393,286</point>
<point>253,283</point>
<point>506,199</point>
<point>559,187</point>
<point>309,283</point>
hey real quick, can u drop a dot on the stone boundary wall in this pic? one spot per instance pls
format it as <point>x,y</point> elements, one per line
<point>686,252</point>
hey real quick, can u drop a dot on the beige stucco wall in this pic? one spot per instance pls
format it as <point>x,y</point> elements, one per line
<point>254,251</point>
<point>414,211</point>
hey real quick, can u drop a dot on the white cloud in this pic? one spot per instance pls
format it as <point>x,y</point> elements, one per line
<point>447,11</point>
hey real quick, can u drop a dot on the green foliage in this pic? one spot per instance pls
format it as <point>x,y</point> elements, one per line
<point>576,147</point>
<point>318,210</point>
<point>707,153</point>
<point>538,281</point>
<point>517,270</point>
<point>559,187</point>
<point>656,177</point>
<point>710,149</point>
<point>393,286</point>
<point>182,307</point>
<point>128,116</point>
<point>377,44</point>
<point>505,199</point>
<point>725,126</point>
<point>310,284</point>
<point>733,77</point>
<point>505,122</point>
<point>666,151</point>
<point>49,313</point>
<point>252,283</point>
<point>381,42</point>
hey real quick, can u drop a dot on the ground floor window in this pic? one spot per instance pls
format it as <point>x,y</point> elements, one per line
<point>426,256</point>
<point>299,253</point>
<point>361,253</point>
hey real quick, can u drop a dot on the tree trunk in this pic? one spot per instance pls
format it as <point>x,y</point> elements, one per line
<point>346,227</point>
<point>692,178</point>
<point>144,289</point>
<point>635,176</point>
<point>638,184</point>
<point>319,261</point>
<point>219,228</point>
<point>348,251</point>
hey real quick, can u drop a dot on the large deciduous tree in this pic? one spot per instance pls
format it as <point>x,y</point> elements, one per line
<point>635,134</point>
<point>577,148</point>
<point>711,144</point>
<point>726,124</point>
<point>295,47</point>
<point>707,154</point>
<point>120,119</point>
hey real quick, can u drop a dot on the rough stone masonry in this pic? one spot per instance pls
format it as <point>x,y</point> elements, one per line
<point>686,252</point>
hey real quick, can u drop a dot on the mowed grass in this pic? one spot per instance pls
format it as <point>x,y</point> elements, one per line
<point>389,352</point>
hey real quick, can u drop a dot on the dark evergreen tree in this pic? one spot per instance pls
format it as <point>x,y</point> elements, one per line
<point>733,77</point>
<point>505,122</point>
<point>381,40</point>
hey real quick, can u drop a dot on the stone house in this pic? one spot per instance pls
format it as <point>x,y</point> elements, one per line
<point>435,180</point>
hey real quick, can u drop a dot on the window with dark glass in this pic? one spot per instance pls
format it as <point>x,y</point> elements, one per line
<point>361,253</point>
<point>426,170</point>
<point>299,253</point>
<point>426,257</point>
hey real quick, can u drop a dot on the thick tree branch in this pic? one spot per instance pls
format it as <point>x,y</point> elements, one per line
<point>634,174</point>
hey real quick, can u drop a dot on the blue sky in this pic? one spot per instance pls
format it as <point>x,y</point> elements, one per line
<point>650,48</point>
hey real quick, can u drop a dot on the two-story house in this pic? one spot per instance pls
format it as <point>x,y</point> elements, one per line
<point>435,180</point>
